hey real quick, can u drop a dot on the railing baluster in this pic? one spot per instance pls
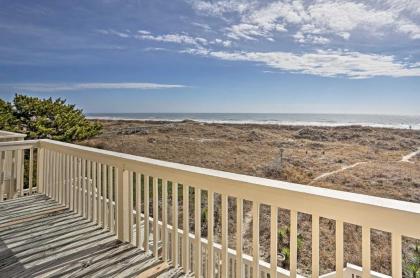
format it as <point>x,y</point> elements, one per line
<point>56,168</point>
<point>22,171</point>
<point>122,190</point>
<point>66,173</point>
<point>55,179</point>
<point>366,251</point>
<point>138,209</point>
<point>79,186</point>
<point>315,246</point>
<point>71,183</point>
<point>99,190</point>
<point>40,169</point>
<point>61,178</point>
<point>130,207</point>
<point>19,172</point>
<point>75,181</point>
<point>74,178</point>
<point>111,199</point>
<point>224,208</point>
<point>339,248</point>
<point>239,228</point>
<point>186,229</point>
<point>104,196</point>
<point>165,220</point>
<point>31,169</point>
<point>89,190</point>
<point>67,180</point>
<point>146,212</point>
<point>255,239</point>
<point>175,260</point>
<point>155,217</point>
<point>84,199</point>
<point>2,175</point>
<point>396,256</point>
<point>293,243</point>
<point>12,186</point>
<point>56,176</point>
<point>94,193</point>
<point>53,174</point>
<point>197,230</point>
<point>273,242</point>
<point>48,173</point>
<point>210,234</point>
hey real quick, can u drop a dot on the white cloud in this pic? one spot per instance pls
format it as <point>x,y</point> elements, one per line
<point>333,18</point>
<point>225,43</point>
<point>309,38</point>
<point>411,7</point>
<point>203,26</point>
<point>220,7</point>
<point>410,28</point>
<point>183,39</point>
<point>245,31</point>
<point>143,32</point>
<point>113,32</point>
<point>52,87</point>
<point>173,38</point>
<point>344,16</point>
<point>322,63</point>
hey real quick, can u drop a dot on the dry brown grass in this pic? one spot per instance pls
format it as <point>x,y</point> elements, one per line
<point>307,153</point>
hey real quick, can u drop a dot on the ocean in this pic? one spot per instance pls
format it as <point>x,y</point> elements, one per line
<point>387,121</point>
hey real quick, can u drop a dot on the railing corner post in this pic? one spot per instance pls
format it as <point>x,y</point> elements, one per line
<point>40,170</point>
<point>122,204</point>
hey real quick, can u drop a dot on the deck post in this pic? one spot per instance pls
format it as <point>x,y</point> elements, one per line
<point>122,204</point>
<point>40,171</point>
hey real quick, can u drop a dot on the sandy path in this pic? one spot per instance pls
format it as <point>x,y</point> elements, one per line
<point>336,171</point>
<point>409,156</point>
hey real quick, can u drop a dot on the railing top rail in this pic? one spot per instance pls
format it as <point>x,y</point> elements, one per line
<point>13,145</point>
<point>8,134</point>
<point>122,158</point>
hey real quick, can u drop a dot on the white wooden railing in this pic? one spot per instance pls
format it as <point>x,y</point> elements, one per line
<point>6,136</point>
<point>109,188</point>
<point>17,168</point>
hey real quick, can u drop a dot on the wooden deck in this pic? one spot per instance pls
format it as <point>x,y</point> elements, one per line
<point>41,238</point>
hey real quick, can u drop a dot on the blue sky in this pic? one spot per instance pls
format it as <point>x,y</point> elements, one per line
<point>313,56</point>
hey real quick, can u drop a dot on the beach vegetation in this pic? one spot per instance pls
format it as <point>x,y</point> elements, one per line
<point>46,118</point>
<point>412,263</point>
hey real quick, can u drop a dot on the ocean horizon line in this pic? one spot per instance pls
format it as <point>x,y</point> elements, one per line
<point>309,119</point>
<point>259,113</point>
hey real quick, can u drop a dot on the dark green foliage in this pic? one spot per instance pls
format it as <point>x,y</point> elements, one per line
<point>7,120</point>
<point>46,118</point>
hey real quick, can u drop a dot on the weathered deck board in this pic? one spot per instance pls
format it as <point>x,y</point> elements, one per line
<point>41,238</point>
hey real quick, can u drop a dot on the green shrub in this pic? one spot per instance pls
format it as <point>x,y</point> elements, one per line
<point>46,118</point>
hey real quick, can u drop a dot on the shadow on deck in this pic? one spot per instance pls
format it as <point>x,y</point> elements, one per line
<point>41,238</point>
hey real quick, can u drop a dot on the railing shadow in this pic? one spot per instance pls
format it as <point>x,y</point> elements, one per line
<point>6,253</point>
